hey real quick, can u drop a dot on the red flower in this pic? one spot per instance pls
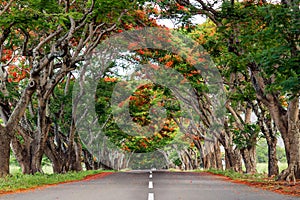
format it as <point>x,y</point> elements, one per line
<point>169,64</point>
<point>140,51</point>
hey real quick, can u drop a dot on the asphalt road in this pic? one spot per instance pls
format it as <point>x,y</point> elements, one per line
<point>143,185</point>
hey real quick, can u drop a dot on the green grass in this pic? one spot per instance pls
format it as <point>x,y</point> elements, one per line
<point>239,176</point>
<point>19,181</point>
<point>262,170</point>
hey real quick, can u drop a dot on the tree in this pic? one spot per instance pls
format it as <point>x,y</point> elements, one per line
<point>200,100</point>
<point>270,132</point>
<point>273,70</point>
<point>53,38</point>
<point>267,74</point>
<point>146,96</point>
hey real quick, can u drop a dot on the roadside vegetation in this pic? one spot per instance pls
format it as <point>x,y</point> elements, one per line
<point>18,182</point>
<point>258,180</point>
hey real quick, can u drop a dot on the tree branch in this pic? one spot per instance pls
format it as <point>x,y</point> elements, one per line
<point>6,7</point>
<point>20,107</point>
<point>47,39</point>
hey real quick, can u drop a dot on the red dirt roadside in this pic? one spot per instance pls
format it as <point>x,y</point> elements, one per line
<point>281,187</point>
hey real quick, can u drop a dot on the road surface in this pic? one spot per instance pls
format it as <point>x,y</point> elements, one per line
<point>147,185</point>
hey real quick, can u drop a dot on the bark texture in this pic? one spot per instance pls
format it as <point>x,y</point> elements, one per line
<point>5,153</point>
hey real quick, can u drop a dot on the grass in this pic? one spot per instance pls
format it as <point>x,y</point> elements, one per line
<point>262,171</point>
<point>18,181</point>
<point>239,176</point>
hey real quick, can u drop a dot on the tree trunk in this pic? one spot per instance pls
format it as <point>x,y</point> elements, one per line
<point>269,130</point>
<point>212,157</point>
<point>38,144</point>
<point>287,121</point>
<point>233,159</point>
<point>207,161</point>
<point>5,153</point>
<point>232,156</point>
<point>289,125</point>
<point>209,155</point>
<point>21,152</point>
<point>249,158</point>
<point>199,147</point>
<point>74,149</point>
<point>56,155</point>
<point>293,171</point>
<point>273,168</point>
<point>185,160</point>
<point>218,157</point>
<point>88,160</point>
<point>8,131</point>
<point>166,155</point>
<point>75,157</point>
<point>189,159</point>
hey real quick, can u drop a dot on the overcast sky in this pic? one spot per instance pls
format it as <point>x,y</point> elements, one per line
<point>197,19</point>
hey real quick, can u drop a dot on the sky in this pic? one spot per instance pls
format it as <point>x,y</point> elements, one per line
<point>197,19</point>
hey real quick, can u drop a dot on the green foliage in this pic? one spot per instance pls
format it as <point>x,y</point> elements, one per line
<point>13,160</point>
<point>177,162</point>
<point>266,35</point>
<point>140,102</point>
<point>262,152</point>
<point>244,138</point>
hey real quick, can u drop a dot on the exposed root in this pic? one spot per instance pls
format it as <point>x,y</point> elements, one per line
<point>288,174</point>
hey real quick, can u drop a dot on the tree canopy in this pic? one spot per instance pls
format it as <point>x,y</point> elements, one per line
<point>237,79</point>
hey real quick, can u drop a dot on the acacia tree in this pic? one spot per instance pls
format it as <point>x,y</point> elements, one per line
<point>53,38</point>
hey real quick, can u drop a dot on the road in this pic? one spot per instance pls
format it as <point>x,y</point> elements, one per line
<point>147,185</point>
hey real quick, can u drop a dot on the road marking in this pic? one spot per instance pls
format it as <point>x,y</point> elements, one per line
<point>150,184</point>
<point>150,196</point>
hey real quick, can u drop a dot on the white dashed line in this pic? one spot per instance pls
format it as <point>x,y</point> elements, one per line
<point>150,184</point>
<point>150,196</point>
